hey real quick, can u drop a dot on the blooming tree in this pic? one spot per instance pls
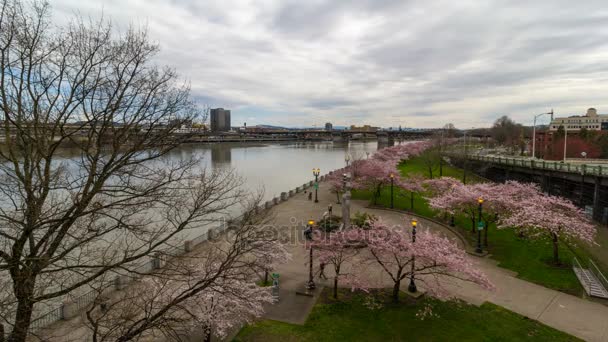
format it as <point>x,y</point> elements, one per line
<point>336,249</point>
<point>439,186</point>
<point>543,215</point>
<point>431,259</point>
<point>499,199</point>
<point>225,303</point>
<point>336,184</point>
<point>213,288</point>
<point>458,199</point>
<point>373,174</point>
<point>413,184</point>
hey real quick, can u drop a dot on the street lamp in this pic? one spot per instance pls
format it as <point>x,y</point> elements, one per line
<point>412,287</point>
<point>329,208</point>
<point>392,183</point>
<point>316,172</point>
<point>534,131</point>
<point>308,236</point>
<point>479,226</point>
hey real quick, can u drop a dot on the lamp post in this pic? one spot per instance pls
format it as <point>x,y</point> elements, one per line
<point>392,183</point>
<point>310,285</point>
<point>316,172</point>
<point>534,131</point>
<point>412,287</point>
<point>479,226</point>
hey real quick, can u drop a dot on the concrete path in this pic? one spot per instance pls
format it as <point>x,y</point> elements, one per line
<point>577,316</point>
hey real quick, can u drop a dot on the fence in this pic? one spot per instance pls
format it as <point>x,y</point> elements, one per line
<point>586,169</point>
<point>70,308</point>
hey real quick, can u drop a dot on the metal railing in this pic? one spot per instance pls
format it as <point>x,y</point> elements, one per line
<point>576,264</point>
<point>587,169</point>
<point>598,274</point>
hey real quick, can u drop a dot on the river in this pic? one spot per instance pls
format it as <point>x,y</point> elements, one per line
<point>277,167</point>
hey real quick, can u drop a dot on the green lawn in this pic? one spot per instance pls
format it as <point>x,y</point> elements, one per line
<point>529,258</point>
<point>352,320</point>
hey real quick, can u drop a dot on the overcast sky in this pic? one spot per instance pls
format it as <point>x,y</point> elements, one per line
<point>379,62</point>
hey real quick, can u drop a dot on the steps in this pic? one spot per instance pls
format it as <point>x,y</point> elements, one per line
<point>590,283</point>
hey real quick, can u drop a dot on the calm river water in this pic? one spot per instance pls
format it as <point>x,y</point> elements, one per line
<point>277,167</point>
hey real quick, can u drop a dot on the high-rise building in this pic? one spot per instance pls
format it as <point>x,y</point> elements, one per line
<point>329,126</point>
<point>220,120</point>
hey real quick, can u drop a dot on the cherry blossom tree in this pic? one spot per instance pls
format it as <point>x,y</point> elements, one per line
<point>336,184</point>
<point>439,186</point>
<point>499,199</point>
<point>546,216</point>
<point>336,249</point>
<point>373,174</point>
<point>458,199</point>
<point>224,304</point>
<point>431,259</point>
<point>414,184</point>
<point>213,288</point>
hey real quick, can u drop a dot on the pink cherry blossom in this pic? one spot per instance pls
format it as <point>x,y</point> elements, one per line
<point>542,215</point>
<point>336,249</point>
<point>436,259</point>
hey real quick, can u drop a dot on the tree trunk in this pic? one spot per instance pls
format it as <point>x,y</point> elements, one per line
<point>412,201</point>
<point>485,235</point>
<point>378,190</point>
<point>337,274</point>
<point>336,287</point>
<point>396,289</point>
<point>206,333</point>
<point>23,316</point>
<point>430,173</point>
<point>265,277</point>
<point>555,249</point>
<point>338,196</point>
<point>473,225</point>
<point>24,292</point>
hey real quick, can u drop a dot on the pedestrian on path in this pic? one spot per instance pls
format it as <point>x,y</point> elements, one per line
<point>322,271</point>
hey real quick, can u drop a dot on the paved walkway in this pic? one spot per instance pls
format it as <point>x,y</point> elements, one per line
<point>577,316</point>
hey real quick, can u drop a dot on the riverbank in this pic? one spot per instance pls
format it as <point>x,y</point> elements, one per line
<point>581,318</point>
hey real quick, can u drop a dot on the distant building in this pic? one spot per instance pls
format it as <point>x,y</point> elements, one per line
<point>329,126</point>
<point>220,120</point>
<point>365,128</point>
<point>592,121</point>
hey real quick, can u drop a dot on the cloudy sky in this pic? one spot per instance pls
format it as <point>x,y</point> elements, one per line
<point>379,62</point>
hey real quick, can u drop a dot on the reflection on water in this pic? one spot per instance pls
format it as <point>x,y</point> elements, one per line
<point>220,155</point>
<point>276,167</point>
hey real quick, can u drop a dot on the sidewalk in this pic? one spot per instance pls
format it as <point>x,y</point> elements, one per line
<point>577,316</point>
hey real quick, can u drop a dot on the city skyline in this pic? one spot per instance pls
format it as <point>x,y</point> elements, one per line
<point>385,63</point>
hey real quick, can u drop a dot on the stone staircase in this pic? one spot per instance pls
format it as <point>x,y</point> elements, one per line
<point>593,281</point>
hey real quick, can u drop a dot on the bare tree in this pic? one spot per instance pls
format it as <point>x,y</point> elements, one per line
<point>70,217</point>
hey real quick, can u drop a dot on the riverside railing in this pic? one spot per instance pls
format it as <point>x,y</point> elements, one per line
<point>586,169</point>
<point>73,306</point>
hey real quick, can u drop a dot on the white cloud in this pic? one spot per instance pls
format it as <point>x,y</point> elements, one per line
<point>381,62</point>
